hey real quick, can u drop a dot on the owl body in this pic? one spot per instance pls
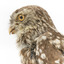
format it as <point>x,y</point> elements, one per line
<point>38,39</point>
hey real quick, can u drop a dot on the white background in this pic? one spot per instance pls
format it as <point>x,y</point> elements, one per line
<point>8,51</point>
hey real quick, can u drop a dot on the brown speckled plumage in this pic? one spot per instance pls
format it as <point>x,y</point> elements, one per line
<point>37,38</point>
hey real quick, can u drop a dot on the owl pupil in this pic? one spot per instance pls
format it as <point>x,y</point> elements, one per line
<point>21,17</point>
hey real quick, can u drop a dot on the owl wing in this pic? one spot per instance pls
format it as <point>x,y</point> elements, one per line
<point>46,52</point>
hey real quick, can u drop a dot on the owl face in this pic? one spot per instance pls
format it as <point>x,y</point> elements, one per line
<point>27,18</point>
<point>22,20</point>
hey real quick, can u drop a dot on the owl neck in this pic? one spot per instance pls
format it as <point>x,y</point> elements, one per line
<point>33,33</point>
<point>30,36</point>
<point>27,42</point>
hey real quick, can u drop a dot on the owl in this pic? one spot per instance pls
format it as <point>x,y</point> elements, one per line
<point>37,37</point>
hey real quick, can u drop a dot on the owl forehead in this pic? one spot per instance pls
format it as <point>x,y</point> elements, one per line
<point>21,11</point>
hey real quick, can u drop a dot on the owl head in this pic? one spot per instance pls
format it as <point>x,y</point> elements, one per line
<point>27,18</point>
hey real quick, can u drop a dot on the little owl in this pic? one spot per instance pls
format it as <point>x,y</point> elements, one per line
<point>37,37</point>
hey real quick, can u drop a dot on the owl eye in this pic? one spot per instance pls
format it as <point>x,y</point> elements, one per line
<point>20,17</point>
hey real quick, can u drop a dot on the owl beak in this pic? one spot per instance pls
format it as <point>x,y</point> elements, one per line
<point>12,30</point>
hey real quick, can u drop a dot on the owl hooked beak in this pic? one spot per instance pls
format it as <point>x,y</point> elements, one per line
<point>12,30</point>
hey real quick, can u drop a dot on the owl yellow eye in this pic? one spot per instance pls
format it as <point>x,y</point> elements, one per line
<point>20,17</point>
